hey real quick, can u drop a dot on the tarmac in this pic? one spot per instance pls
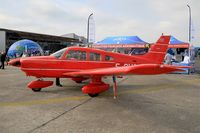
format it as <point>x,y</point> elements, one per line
<point>167,103</point>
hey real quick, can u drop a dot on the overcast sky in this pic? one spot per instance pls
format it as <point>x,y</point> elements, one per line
<point>146,18</point>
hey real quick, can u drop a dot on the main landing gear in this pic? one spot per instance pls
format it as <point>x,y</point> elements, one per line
<point>95,87</point>
<point>114,87</point>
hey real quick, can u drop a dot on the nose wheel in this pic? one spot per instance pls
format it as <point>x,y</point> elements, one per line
<point>36,89</point>
<point>37,85</point>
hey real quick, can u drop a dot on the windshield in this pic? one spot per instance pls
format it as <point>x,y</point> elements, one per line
<point>59,53</point>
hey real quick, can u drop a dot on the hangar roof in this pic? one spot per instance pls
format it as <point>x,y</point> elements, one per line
<point>38,36</point>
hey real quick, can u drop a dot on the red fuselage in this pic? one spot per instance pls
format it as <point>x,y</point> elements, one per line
<point>54,66</point>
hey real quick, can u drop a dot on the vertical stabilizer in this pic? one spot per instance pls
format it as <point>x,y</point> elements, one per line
<point>158,50</point>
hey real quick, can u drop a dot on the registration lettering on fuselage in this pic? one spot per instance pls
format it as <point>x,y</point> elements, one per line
<point>118,64</point>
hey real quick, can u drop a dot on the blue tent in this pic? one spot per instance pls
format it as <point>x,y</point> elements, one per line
<point>175,43</point>
<point>173,40</point>
<point>122,40</point>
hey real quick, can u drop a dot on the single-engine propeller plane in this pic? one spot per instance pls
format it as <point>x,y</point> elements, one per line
<point>79,63</point>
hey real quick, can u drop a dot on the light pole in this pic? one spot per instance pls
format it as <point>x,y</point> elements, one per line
<point>189,23</point>
<point>88,27</point>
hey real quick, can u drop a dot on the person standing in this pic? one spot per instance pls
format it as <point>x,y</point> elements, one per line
<point>0,58</point>
<point>3,58</point>
<point>168,59</point>
<point>198,54</point>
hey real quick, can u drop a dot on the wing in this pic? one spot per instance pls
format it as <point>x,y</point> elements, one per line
<point>143,69</point>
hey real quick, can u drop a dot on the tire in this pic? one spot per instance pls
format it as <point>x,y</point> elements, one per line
<point>36,89</point>
<point>93,95</point>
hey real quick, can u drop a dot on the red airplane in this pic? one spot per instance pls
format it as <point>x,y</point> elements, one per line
<point>79,63</point>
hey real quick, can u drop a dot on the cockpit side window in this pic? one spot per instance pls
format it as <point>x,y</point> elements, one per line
<point>108,58</point>
<point>59,53</point>
<point>95,57</point>
<point>76,55</point>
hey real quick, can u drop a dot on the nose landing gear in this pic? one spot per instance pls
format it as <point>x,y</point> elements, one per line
<point>37,85</point>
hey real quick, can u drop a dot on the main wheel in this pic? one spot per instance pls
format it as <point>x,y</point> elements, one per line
<point>36,89</point>
<point>93,95</point>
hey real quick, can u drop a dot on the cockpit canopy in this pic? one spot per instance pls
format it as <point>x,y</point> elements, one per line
<point>81,55</point>
<point>59,53</point>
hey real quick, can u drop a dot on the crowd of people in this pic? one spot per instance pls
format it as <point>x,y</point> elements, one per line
<point>170,57</point>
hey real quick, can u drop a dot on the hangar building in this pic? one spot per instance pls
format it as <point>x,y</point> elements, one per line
<point>47,42</point>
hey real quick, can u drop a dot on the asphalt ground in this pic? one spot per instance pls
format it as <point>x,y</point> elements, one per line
<point>145,104</point>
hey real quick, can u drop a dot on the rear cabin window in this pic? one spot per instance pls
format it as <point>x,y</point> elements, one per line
<point>108,58</point>
<point>95,57</point>
<point>76,55</point>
